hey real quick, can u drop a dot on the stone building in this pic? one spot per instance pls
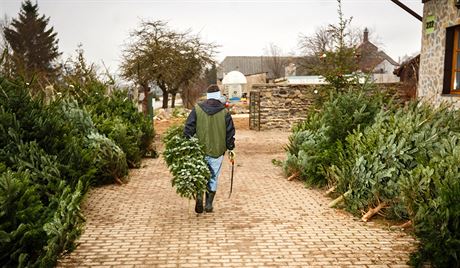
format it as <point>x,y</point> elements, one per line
<point>273,66</point>
<point>243,89</point>
<point>260,78</point>
<point>256,69</point>
<point>440,55</point>
<point>374,61</point>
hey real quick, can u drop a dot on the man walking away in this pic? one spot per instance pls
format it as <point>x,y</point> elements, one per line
<point>213,126</point>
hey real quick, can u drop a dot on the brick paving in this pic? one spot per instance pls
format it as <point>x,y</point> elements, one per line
<point>267,222</point>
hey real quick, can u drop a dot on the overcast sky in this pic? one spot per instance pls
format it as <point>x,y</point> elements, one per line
<point>242,27</point>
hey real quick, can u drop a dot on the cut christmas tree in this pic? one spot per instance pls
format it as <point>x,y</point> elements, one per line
<point>185,159</point>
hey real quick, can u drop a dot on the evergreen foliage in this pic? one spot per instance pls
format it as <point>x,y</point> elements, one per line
<point>185,159</point>
<point>314,143</point>
<point>34,45</point>
<point>110,108</point>
<point>404,157</point>
<point>375,160</point>
<point>52,151</point>
<point>21,214</point>
<point>107,158</point>
<point>49,155</point>
<point>338,63</point>
<point>211,74</point>
<point>409,159</point>
<point>117,117</point>
<point>431,194</point>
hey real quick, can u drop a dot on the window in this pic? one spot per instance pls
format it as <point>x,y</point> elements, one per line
<point>452,61</point>
<point>455,79</point>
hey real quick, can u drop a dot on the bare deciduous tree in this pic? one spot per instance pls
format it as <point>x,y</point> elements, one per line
<point>170,59</point>
<point>193,92</point>
<point>322,40</point>
<point>317,43</point>
<point>314,46</point>
<point>275,61</point>
<point>331,51</point>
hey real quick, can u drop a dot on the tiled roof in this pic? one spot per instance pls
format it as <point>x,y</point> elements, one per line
<point>371,56</point>
<point>253,65</point>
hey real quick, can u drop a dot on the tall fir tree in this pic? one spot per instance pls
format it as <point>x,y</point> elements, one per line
<point>211,74</point>
<point>34,47</point>
<point>340,61</point>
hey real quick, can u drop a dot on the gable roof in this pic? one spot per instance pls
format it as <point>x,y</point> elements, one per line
<point>254,64</point>
<point>388,58</point>
<point>371,56</point>
<point>412,63</point>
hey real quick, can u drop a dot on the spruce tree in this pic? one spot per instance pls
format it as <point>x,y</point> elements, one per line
<point>211,74</point>
<point>34,47</point>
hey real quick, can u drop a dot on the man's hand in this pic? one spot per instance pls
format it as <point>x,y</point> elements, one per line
<point>231,155</point>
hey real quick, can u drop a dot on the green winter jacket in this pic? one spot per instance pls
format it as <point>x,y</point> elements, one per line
<point>210,130</point>
<point>213,125</point>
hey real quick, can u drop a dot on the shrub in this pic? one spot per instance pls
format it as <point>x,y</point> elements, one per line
<point>313,145</point>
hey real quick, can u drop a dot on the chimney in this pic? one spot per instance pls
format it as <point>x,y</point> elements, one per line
<point>366,35</point>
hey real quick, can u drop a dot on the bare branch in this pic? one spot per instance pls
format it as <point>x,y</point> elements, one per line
<point>168,58</point>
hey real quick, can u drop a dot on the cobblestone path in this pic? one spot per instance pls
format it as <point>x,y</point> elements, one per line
<point>267,222</point>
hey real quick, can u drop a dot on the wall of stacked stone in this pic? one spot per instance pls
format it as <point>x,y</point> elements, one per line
<point>281,106</point>
<point>433,48</point>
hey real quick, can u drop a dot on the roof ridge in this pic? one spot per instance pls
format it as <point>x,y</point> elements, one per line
<point>387,57</point>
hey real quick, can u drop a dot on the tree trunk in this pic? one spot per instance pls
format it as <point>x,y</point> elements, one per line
<point>173,100</point>
<point>293,176</point>
<point>339,199</point>
<point>372,212</point>
<point>185,96</point>
<point>146,90</point>
<point>165,99</point>
<point>330,190</point>
<point>402,226</point>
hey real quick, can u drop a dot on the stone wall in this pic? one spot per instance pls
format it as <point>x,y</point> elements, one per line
<point>433,51</point>
<point>281,106</point>
<point>252,79</point>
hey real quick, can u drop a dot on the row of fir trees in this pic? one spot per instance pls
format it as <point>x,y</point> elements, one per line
<point>63,130</point>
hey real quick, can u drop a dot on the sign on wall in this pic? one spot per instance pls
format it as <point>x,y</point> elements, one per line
<point>429,24</point>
